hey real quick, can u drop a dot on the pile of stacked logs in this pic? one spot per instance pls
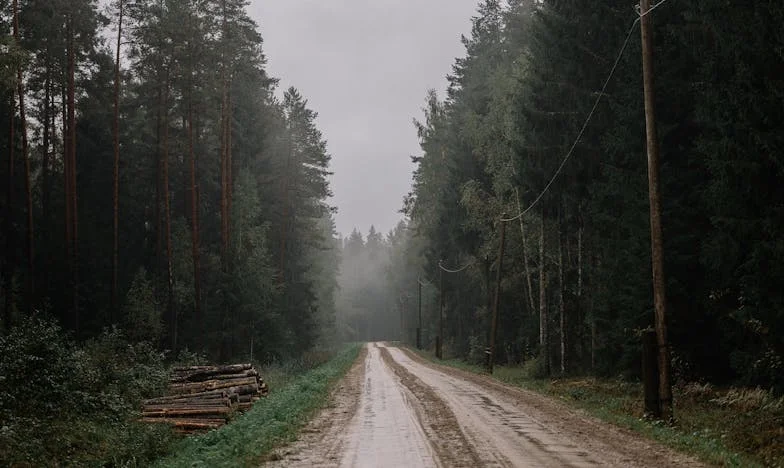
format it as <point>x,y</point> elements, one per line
<point>201,398</point>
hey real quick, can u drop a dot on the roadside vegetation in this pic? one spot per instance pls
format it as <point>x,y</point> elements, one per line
<point>69,404</point>
<point>720,426</point>
<point>304,387</point>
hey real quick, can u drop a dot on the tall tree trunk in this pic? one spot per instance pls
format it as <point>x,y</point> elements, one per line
<point>70,163</point>
<point>225,131</point>
<point>544,332</point>
<point>167,215</point>
<point>47,144</point>
<point>48,130</point>
<point>26,160</point>
<point>116,192</point>
<point>159,176</point>
<point>580,309</point>
<point>229,165</point>
<point>8,265</point>
<point>527,268</point>
<point>284,222</point>
<point>561,305</point>
<point>194,205</point>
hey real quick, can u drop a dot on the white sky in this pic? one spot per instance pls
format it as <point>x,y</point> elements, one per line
<point>365,66</point>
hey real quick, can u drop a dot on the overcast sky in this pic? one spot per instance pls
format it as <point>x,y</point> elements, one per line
<point>365,66</point>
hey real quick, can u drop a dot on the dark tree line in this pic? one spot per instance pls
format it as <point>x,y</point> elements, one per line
<point>157,182</point>
<point>576,288</point>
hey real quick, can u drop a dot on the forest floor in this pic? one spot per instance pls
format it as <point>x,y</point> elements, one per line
<point>395,408</point>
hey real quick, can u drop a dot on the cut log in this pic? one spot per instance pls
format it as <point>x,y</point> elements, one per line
<point>187,423</point>
<point>210,412</point>
<point>244,390</point>
<point>205,397</point>
<point>189,404</point>
<point>209,395</point>
<point>223,369</point>
<point>196,387</point>
<point>200,374</point>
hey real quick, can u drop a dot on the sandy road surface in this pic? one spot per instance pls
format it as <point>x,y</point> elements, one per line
<point>395,410</point>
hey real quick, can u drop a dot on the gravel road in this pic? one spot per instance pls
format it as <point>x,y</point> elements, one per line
<point>394,409</point>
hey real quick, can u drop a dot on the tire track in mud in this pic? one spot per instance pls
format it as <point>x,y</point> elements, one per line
<point>529,429</point>
<point>436,418</point>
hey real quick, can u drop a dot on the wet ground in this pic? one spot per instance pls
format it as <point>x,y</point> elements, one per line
<point>393,409</point>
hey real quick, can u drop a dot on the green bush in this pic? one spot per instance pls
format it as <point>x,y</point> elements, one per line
<point>76,405</point>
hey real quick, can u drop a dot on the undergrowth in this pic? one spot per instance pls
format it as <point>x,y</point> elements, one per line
<point>272,421</point>
<point>727,427</point>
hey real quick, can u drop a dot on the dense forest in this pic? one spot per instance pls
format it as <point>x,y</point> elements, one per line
<point>161,186</point>
<point>161,198</point>
<point>576,288</point>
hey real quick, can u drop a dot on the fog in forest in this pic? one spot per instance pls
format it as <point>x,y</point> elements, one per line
<point>378,297</point>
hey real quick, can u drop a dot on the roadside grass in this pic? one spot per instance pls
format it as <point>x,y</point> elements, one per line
<point>272,421</point>
<point>725,427</point>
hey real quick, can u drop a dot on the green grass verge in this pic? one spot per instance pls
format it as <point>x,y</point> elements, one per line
<point>273,420</point>
<point>720,427</point>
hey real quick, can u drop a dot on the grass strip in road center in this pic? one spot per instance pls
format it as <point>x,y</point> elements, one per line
<point>717,434</point>
<point>271,421</point>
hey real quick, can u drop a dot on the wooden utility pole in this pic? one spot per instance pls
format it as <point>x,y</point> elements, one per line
<point>544,326</point>
<point>657,250</point>
<point>419,327</point>
<point>440,337</point>
<point>494,323</point>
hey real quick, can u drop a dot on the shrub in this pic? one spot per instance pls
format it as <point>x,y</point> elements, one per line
<point>76,405</point>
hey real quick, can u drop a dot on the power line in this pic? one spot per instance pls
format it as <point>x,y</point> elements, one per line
<point>637,8</point>
<point>587,120</point>
<point>463,268</point>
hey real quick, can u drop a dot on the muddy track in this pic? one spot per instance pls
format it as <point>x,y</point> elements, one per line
<point>438,420</point>
<point>394,409</point>
<point>553,429</point>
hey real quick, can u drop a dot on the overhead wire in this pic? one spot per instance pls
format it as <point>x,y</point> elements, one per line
<point>637,8</point>
<point>458,270</point>
<point>588,119</point>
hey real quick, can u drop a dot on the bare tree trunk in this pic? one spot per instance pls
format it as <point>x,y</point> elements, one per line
<point>229,166</point>
<point>116,192</point>
<point>284,222</point>
<point>561,305</point>
<point>8,267</point>
<point>225,131</point>
<point>70,163</point>
<point>47,144</point>
<point>580,308</point>
<point>531,303</point>
<point>544,332</point>
<point>167,214</point>
<point>194,205</point>
<point>26,161</point>
<point>159,178</point>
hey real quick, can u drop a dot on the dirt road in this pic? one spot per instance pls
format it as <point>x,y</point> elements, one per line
<point>395,410</point>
